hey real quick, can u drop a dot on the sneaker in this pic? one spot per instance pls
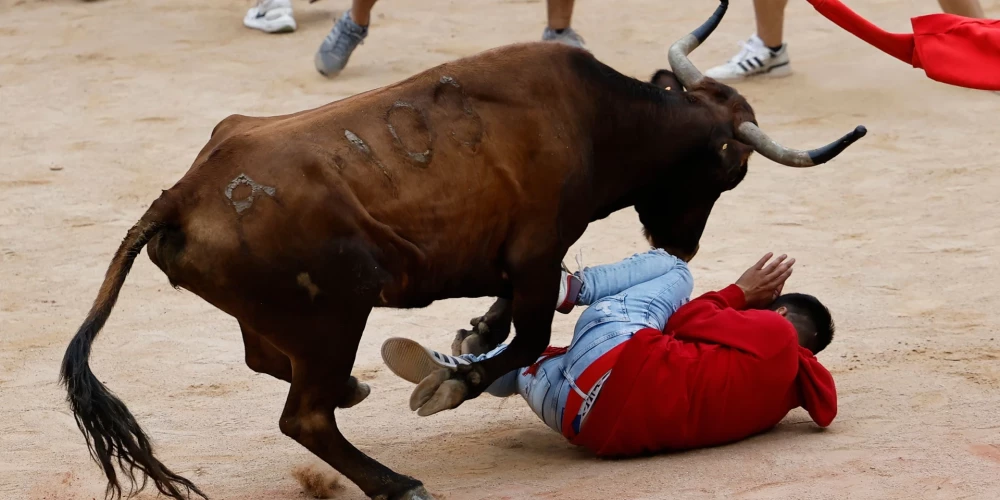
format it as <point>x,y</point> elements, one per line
<point>569,290</point>
<point>336,49</point>
<point>754,59</point>
<point>412,362</point>
<point>271,16</point>
<point>568,37</point>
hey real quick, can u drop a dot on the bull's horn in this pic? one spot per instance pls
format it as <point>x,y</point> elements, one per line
<point>679,63</point>
<point>749,133</point>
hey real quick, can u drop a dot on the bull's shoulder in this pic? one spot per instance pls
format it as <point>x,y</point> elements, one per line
<point>511,67</point>
<point>228,125</point>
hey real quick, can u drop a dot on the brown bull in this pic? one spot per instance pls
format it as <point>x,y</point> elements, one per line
<point>470,179</point>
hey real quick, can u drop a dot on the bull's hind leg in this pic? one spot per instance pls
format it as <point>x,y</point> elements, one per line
<point>488,330</point>
<point>321,383</point>
<point>263,357</point>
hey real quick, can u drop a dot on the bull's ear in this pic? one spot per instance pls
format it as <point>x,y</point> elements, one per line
<point>666,79</point>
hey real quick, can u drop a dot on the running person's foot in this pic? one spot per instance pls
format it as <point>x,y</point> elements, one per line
<point>412,362</point>
<point>566,36</point>
<point>271,16</point>
<point>754,59</point>
<point>336,49</point>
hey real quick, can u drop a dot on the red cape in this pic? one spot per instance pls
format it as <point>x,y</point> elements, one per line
<point>951,49</point>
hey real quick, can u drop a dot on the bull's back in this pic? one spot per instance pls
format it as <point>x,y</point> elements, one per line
<point>453,158</point>
<point>435,173</point>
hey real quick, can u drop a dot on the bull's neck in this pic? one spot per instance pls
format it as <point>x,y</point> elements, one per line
<point>638,147</point>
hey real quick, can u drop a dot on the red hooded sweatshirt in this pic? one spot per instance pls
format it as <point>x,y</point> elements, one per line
<point>719,374</point>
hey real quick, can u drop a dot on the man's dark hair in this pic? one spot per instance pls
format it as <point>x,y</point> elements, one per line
<point>808,315</point>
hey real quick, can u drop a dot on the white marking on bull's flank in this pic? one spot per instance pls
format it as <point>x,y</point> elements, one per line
<point>255,189</point>
<point>449,80</point>
<point>357,142</point>
<point>365,150</point>
<point>419,157</point>
<point>305,281</point>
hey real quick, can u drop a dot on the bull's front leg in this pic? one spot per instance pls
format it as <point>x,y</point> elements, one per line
<point>532,309</point>
<point>488,330</point>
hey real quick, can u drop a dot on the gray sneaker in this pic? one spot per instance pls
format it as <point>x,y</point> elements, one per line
<point>568,37</point>
<point>336,49</point>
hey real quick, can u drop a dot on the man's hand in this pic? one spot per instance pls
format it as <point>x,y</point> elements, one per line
<point>763,282</point>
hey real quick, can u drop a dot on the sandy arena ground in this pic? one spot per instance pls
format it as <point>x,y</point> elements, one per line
<point>103,104</point>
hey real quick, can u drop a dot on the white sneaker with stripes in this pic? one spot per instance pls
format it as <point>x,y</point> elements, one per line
<point>413,362</point>
<point>754,59</point>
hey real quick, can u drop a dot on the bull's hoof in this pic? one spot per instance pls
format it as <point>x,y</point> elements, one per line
<point>437,392</point>
<point>487,332</point>
<point>417,493</point>
<point>469,342</point>
<point>359,391</point>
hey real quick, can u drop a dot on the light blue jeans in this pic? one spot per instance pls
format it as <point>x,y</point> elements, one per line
<point>641,291</point>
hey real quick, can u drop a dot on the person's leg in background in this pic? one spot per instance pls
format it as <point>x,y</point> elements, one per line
<point>560,14</point>
<point>966,8</point>
<point>770,16</point>
<point>348,32</point>
<point>765,53</point>
<point>271,16</point>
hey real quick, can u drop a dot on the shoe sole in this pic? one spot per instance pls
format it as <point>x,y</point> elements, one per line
<point>283,24</point>
<point>780,71</point>
<point>408,360</point>
<point>329,73</point>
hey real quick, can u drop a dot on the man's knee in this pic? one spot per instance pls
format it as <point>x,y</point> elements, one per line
<point>685,279</point>
<point>679,271</point>
<point>663,254</point>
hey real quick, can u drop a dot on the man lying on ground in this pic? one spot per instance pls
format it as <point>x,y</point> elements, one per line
<point>649,370</point>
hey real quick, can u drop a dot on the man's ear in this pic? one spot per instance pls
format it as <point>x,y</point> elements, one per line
<point>782,310</point>
<point>666,79</point>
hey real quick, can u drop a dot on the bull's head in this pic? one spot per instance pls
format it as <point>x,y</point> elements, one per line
<point>677,220</point>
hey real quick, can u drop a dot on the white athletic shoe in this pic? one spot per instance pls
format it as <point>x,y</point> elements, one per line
<point>271,16</point>
<point>412,362</point>
<point>753,59</point>
<point>569,291</point>
<point>568,37</point>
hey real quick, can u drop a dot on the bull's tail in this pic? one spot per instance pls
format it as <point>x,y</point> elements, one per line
<point>111,431</point>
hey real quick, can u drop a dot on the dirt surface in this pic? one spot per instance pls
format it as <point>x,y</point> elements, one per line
<point>103,104</point>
